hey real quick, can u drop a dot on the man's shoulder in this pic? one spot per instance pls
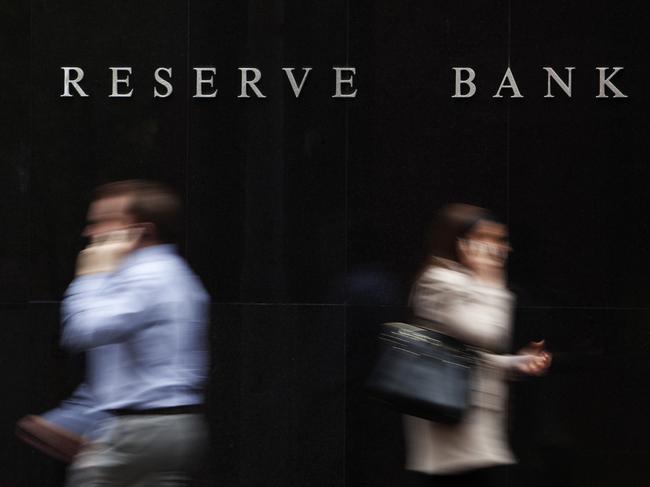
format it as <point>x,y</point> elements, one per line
<point>162,271</point>
<point>170,272</point>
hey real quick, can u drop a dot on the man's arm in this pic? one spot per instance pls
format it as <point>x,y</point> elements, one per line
<point>98,310</point>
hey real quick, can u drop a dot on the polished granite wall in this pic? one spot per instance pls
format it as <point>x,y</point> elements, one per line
<point>305,216</point>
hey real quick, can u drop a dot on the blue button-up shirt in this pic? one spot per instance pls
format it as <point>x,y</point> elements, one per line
<point>145,329</point>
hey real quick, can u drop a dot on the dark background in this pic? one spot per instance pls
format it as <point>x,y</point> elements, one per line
<point>305,217</point>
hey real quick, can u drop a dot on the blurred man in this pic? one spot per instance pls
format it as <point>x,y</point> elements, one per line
<point>141,314</point>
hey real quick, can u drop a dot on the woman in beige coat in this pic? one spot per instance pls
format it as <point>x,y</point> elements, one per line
<point>461,292</point>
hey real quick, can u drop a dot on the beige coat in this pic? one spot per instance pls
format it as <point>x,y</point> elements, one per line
<point>449,300</point>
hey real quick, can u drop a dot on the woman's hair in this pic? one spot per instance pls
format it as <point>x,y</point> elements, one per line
<point>452,222</point>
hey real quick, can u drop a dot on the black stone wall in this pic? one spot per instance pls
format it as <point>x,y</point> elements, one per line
<point>305,216</point>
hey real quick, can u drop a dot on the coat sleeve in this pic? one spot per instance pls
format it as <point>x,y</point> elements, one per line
<point>505,363</point>
<point>454,303</point>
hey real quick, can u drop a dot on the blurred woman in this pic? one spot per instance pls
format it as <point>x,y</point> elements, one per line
<point>461,292</point>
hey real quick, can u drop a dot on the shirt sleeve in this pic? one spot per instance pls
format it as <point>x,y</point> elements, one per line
<point>98,310</point>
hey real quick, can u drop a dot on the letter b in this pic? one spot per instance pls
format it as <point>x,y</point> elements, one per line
<point>459,82</point>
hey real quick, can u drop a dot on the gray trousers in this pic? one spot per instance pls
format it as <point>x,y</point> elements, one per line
<point>141,451</point>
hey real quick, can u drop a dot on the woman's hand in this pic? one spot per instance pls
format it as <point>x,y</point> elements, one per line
<point>533,359</point>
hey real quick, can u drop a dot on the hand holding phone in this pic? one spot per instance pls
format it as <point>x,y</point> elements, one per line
<point>106,251</point>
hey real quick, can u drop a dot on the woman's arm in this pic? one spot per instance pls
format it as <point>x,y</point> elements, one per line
<point>531,360</point>
<point>475,313</point>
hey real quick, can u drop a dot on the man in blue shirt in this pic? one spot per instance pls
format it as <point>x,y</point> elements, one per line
<point>141,315</point>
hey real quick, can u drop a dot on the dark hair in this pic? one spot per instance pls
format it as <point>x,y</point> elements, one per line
<point>151,202</point>
<point>452,222</point>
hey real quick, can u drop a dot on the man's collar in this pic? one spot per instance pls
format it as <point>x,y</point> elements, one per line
<point>148,254</point>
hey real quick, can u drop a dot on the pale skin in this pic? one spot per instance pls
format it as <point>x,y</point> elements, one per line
<point>113,233</point>
<point>107,215</point>
<point>484,251</point>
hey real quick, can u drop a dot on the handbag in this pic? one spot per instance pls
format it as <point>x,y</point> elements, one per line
<point>422,373</point>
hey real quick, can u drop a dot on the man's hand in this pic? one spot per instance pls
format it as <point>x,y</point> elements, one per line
<point>49,438</point>
<point>104,253</point>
